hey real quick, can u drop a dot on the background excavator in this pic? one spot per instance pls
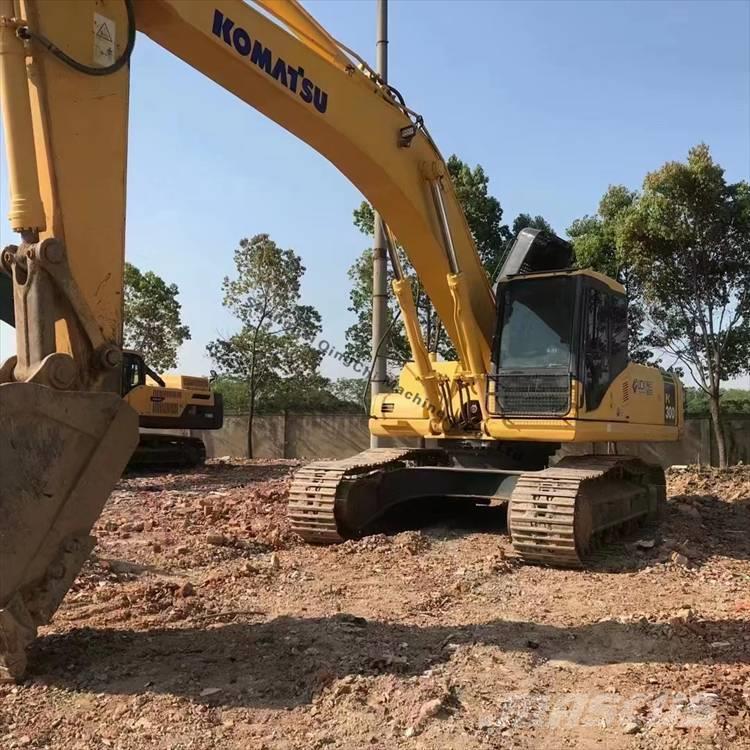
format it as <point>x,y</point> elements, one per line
<point>162,402</point>
<point>540,362</point>
<point>169,402</point>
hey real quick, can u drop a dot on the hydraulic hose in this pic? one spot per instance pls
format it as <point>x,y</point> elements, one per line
<point>24,32</point>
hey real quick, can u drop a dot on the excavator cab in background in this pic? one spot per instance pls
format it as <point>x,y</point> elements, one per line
<point>169,402</point>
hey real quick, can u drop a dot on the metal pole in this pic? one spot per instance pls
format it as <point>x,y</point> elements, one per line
<point>379,263</point>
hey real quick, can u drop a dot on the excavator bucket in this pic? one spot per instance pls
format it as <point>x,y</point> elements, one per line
<point>61,453</point>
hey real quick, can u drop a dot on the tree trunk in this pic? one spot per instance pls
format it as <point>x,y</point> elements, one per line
<point>250,435</point>
<point>250,416</point>
<point>713,406</point>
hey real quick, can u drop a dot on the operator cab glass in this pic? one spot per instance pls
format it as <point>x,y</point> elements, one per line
<point>133,371</point>
<point>537,326</point>
<point>552,329</point>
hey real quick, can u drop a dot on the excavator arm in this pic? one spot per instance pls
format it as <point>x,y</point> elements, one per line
<point>65,433</point>
<point>298,76</point>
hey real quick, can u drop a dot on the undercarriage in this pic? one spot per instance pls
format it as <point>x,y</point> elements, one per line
<point>556,516</point>
<point>163,451</point>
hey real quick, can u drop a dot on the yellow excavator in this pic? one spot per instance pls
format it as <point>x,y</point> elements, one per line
<point>541,360</point>
<point>169,402</point>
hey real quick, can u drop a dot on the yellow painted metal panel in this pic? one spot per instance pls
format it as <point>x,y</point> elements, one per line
<point>80,131</point>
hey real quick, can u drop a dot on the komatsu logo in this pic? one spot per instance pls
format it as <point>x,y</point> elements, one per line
<point>646,387</point>
<point>289,76</point>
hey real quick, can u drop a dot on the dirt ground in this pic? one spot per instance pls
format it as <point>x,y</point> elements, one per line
<point>202,622</point>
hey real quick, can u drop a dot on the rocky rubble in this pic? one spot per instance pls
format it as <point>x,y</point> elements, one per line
<point>202,622</point>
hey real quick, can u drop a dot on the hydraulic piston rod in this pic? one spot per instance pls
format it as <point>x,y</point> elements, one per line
<point>26,213</point>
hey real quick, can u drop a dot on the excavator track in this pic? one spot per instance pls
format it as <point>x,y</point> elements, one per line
<point>314,490</point>
<point>558,516</point>
<point>162,452</point>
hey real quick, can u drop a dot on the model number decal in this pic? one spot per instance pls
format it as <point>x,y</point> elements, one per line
<point>670,401</point>
<point>289,76</point>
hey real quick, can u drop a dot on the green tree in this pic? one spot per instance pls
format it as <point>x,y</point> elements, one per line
<point>359,334</point>
<point>597,243</point>
<point>733,401</point>
<point>687,239</point>
<point>525,221</point>
<point>493,238</point>
<point>483,212</point>
<point>696,402</point>
<point>317,395</point>
<point>351,391</point>
<point>152,322</point>
<point>273,352</point>
<point>233,392</point>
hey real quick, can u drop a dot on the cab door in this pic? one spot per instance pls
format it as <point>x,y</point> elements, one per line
<point>605,342</point>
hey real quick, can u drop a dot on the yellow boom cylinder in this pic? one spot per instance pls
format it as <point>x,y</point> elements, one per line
<point>26,209</point>
<point>425,371</point>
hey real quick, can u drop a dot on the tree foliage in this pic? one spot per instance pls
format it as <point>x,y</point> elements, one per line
<point>733,401</point>
<point>681,248</point>
<point>597,241</point>
<point>527,221</point>
<point>273,353</point>
<point>152,318</point>
<point>687,239</point>
<point>350,391</point>
<point>483,212</point>
<point>492,238</point>
<point>319,395</point>
<point>359,334</point>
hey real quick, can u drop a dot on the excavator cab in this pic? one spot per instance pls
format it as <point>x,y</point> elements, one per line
<point>134,372</point>
<point>556,329</point>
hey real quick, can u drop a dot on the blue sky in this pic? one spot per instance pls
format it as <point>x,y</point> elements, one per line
<point>556,100</point>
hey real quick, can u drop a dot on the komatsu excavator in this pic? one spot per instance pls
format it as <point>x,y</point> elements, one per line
<point>541,361</point>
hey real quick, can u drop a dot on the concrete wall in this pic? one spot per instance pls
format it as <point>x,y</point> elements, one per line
<point>326,435</point>
<point>341,435</point>
<point>231,439</point>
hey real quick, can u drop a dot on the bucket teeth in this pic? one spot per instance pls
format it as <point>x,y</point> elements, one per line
<point>61,453</point>
<point>17,631</point>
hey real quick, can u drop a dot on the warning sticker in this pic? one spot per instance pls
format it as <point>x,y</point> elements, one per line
<point>104,40</point>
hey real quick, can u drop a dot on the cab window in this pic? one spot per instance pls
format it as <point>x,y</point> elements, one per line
<point>606,342</point>
<point>132,374</point>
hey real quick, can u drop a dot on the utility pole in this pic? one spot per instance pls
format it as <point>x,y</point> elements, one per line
<point>379,262</point>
